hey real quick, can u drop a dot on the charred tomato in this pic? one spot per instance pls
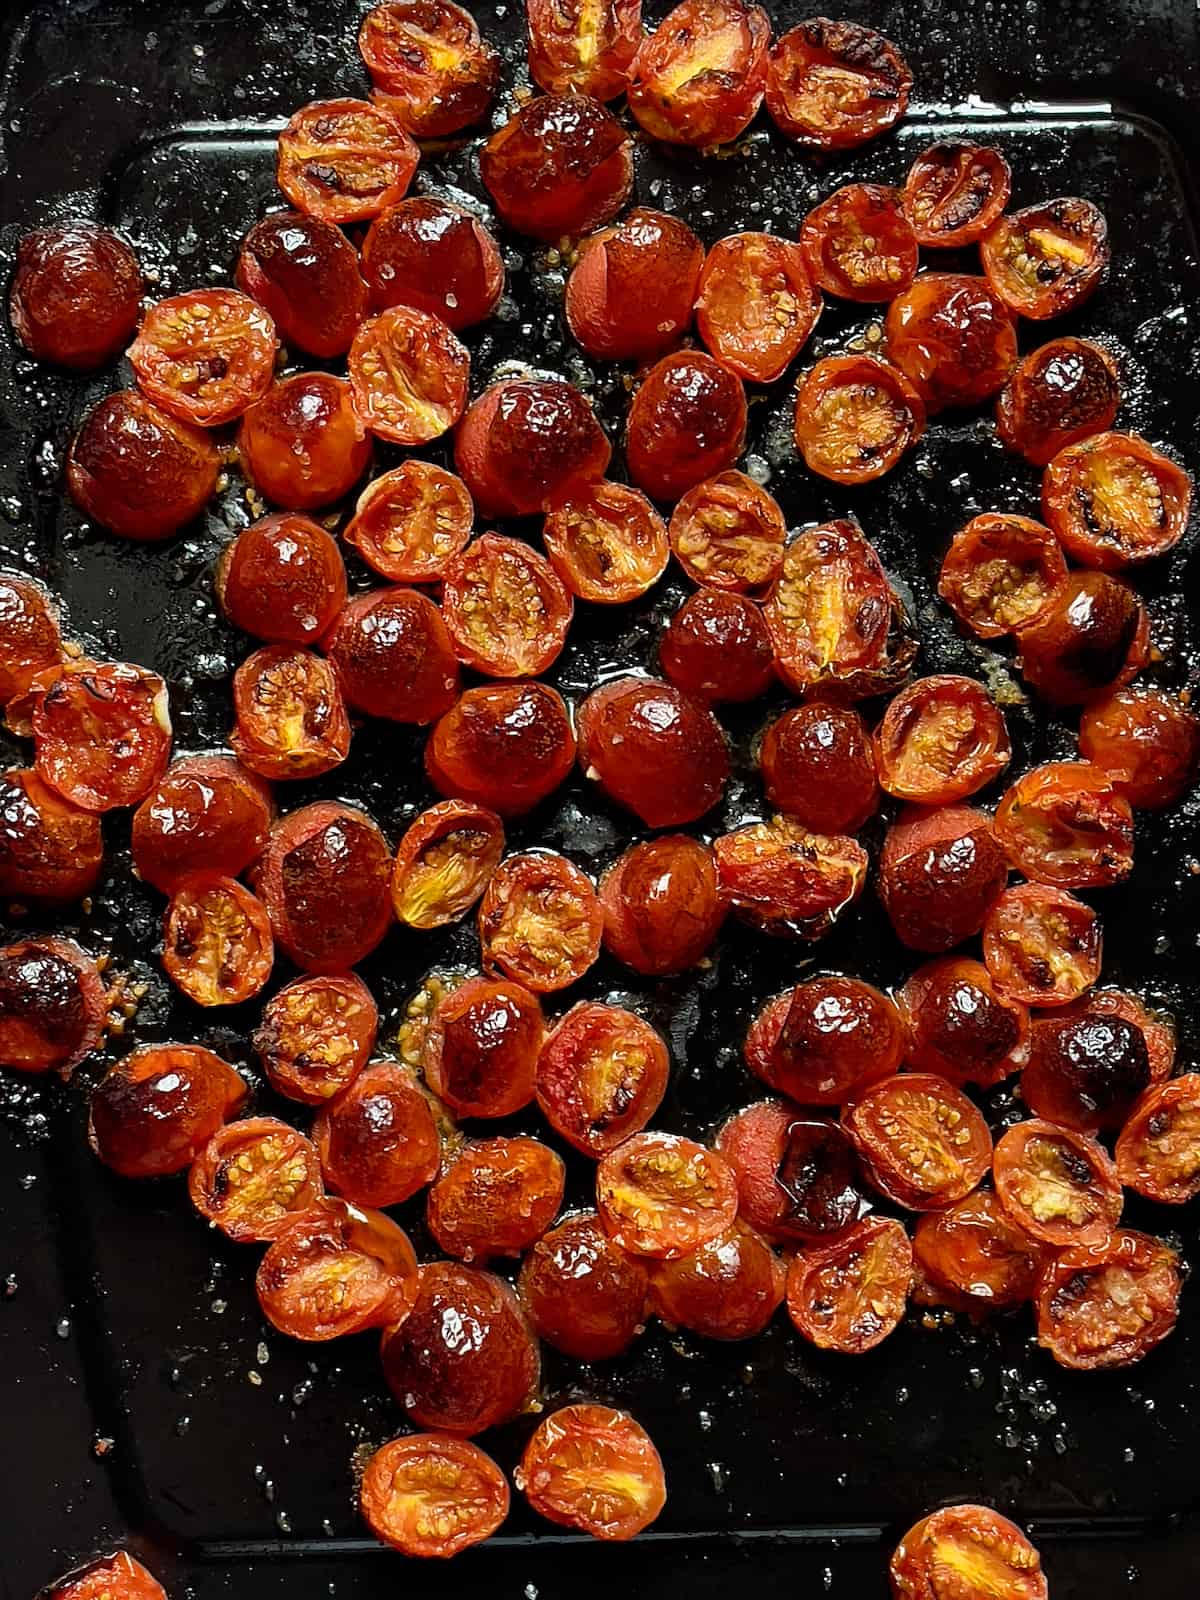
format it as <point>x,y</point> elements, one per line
<point>1158,1150</point>
<point>1002,573</point>
<point>1048,258</point>
<point>940,872</point>
<point>155,1110</point>
<point>1092,639</point>
<point>1057,1186</point>
<point>429,65</point>
<point>316,1035</point>
<point>378,1138</point>
<point>922,1142</point>
<point>1114,501</point>
<point>953,338</point>
<point>954,192</point>
<point>1059,394</point>
<point>699,77</point>
<point>1064,823</point>
<point>579,47</point>
<point>53,1005</point>
<point>345,160</point>
<point>1085,1070</point>
<point>205,356</point>
<point>305,275</point>
<point>728,1289</point>
<point>1041,945</point>
<point>495,1197</point>
<point>49,850</point>
<point>653,749</point>
<point>282,579</point>
<point>394,656</point>
<point>975,1258</point>
<point>102,733</point>
<point>139,472</point>
<point>787,881</point>
<point>797,1175</point>
<point>834,85</point>
<point>561,165</point>
<point>30,640</point>
<point>959,1025</point>
<point>1109,1306</point>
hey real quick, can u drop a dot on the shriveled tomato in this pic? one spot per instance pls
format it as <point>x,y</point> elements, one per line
<point>653,749</point>
<point>1064,823</point>
<point>217,944</point>
<point>429,65</point>
<point>254,1178</point>
<point>729,533</point>
<point>316,1035</point>
<point>834,85</point>
<point>662,907</point>
<point>959,1025</point>
<point>561,165</point>
<point>495,1197</point>
<point>526,444</point>
<point>443,863</point>
<point>430,1494</point>
<point>940,871</point>
<point>756,304</point>
<point>304,444</point>
<point>785,880</point>
<point>1114,501</point>
<point>728,1289</point>
<point>1158,1150</point>
<point>1085,1070</point>
<point>49,850</point>
<point>581,47</point>
<point>435,256</point>
<point>345,160</point>
<point>601,1076</point>
<point>394,656</point>
<point>282,579</point>
<point>53,1005</point>
<point>1059,394</point>
<point>502,745</point>
<point>1110,1305</point>
<point>378,1138</point>
<point>798,1176</point>
<point>661,1195</point>
<point>964,1552</point>
<point>818,765</point>
<point>305,274</point>
<point>206,355</point>
<point>155,1109</point>
<point>505,607</point>
<point>76,294</point>
<point>859,244</point>
<point>481,1050</point>
<point>953,338</point>
<point>1057,1186</point>
<point>955,191</point>
<point>974,1257</point>
<point>923,1143</point>
<point>409,375</point>
<point>1002,573</point>
<point>825,1040</point>
<point>1091,641</point>
<point>1146,741</point>
<point>941,739</point>
<point>855,417</point>
<point>1048,258</point>
<point>583,1293</point>
<point>1041,945</point>
<point>411,522</point>
<point>849,1294</point>
<point>631,291</point>
<point>687,423</point>
<point>540,921</point>
<point>102,733</point>
<point>117,1577</point>
<point>137,471</point>
<point>291,718</point>
<point>338,1271</point>
<point>30,640</point>
<point>699,77</point>
<point>595,1469</point>
<point>716,647</point>
<point>606,542</point>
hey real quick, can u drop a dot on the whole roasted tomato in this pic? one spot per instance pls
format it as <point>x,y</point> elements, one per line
<point>495,1197</point>
<point>1146,741</point>
<point>1048,258</point>
<point>1092,639</point>
<point>156,1108</point>
<point>954,192</point>
<point>787,881</point>
<point>378,1138</point>
<point>482,1048</point>
<point>578,47</point>
<point>205,356</point>
<point>662,906</point>
<point>503,745</point>
<point>1114,501</point>
<point>818,765</point>
<point>435,256</point>
<point>859,244</point>
<point>940,871</point>
<point>53,1005</point>
<point>1002,573</point>
<point>410,523</point>
<point>282,579</point>
<point>583,1293</point>
<point>958,1024</point>
<point>825,1040</point>
<point>428,64</point>
<point>304,444</point>
<point>631,291</point>
<point>138,471</point>
<point>653,749</point>
<point>756,304</point>
<point>699,77</point>
<point>561,165</point>
<point>394,656</point>
<point>526,444</point>
<point>716,647</point>
<point>50,850</point>
<point>1060,393</point>
<point>76,294</point>
<point>855,417</point>
<point>345,160</point>
<point>834,85</point>
<point>687,422</point>
<point>953,338</point>
<point>941,739</point>
<point>305,274</point>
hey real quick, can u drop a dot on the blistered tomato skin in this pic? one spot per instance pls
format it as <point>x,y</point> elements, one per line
<point>1114,501</point>
<point>859,244</point>
<point>825,1040</point>
<point>631,291</point>
<point>940,871</point>
<point>850,1294</point>
<point>75,296</point>
<point>482,1048</point>
<point>922,1142</point>
<point>338,1271</point>
<point>502,745</point>
<point>954,192</point>
<point>941,739</point>
<point>102,733</point>
<point>562,165</point>
<point>716,647</point>
<point>818,765</point>
<point>687,423</point>
<point>316,1036</point>
<point>595,1469</point>
<point>436,257</point>
<point>601,1076</point>
<point>49,850</point>
<point>217,944</point>
<point>429,65</point>
<point>304,444</point>
<point>798,1176</point>
<point>1109,1306</point>
<point>282,579</point>
<point>526,444</point>
<point>206,355</point>
<point>1059,1187</point>
<point>540,921</point>
<point>254,1178</point>
<point>953,338</point>
<point>664,1196</point>
<point>606,542</point>
<point>377,1138</point>
<point>53,1005</point>
<point>662,906</point>
<point>1002,573</point>
<point>157,1108</point>
<point>495,1197</point>
<point>291,719</point>
<point>787,881</point>
<point>443,863</point>
<point>432,1495</point>
<point>506,609</point>
<point>139,472</point>
<point>855,418</point>
<point>756,304</point>
<point>974,1259</point>
<point>728,1289</point>
<point>117,1577</point>
<point>941,1554</point>
<point>345,160</point>
<point>30,640</point>
<point>305,275</point>
<point>698,79</point>
<point>1085,1070</point>
<point>1089,643</point>
<point>1148,743</point>
<point>1047,259</point>
<point>728,533</point>
<point>1158,1151</point>
<point>577,47</point>
<point>1041,945</point>
<point>834,85</point>
<point>1059,394</point>
<point>411,522</point>
<point>394,656</point>
<point>583,1294</point>
<point>653,749</point>
<point>1063,823</point>
<point>959,1025</point>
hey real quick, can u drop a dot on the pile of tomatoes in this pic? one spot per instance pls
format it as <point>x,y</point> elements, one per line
<point>868,1179</point>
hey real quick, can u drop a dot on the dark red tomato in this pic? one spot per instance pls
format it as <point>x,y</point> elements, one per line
<point>49,850</point>
<point>729,533</point>
<point>345,160</point>
<point>976,1257</point>
<point>502,745</point>
<point>1002,573</point>
<point>653,749</point>
<point>560,166</point>
<point>540,921</point>
<point>443,863</point>
<point>583,47</point>
<point>495,1197</point>
<point>728,1289</point>
<point>858,244</point>
<point>324,879</point>
<point>506,608</point>
<point>394,656</point>
<point>1147,742</point>
<point>254,1178</point>
<point>409,375</point>
<point>1156,1028</point>
<point>664,1196</point>
<point>818,765</point>
<point>30,640</point>
<point>75,296</point>
<point>304,445</point>
<point>687,423</point>
<point>601,1076</point>
<point>527,444</point>
<point>217,944</point>
<point>53,1005</point>
<point>282,579</point>
<point>1109,1306</point>
<point>756,304</point>
<point>1114,501</point>
<point>940,871</point>
<point>155,1110</point>
<point>855,417</point>
<point>954,192</point>
<point>834,85</point>
<point>631,291</point>
<point>1057,1186</point>
<point>699,77</point>
<point>378,1138</point>
<point>964,1552</point>
<point>1085,1070</point>
<point>1091,641</point>
<point>922,1142</point>
<point>118,1577</point>
<point>436,257</point>
<point>953,338</point>
<point>338,1271</point>
<point>481,1050</point>
<point>102,733</point>
<point>137,471</point>
<point>1059,394</point>
<point>461,1384</point>
<point>316,1036</point>
<point>582,1293</point>
<point>849,1294</point>
<point>430,1494</point>
<point>797,1175</point>
<point>606,542</point>
<point>662,907</point>
<point>941,739</point>
<point>1064,823</point>
<point>825,1040</point>
<point>1041,945</point>
<point>716,647</point>
<point>1158,1150</point>
<point>411,522</point>
<point>783,879</point>
<point>206,355</point>
<point>291,718</point>
<point>429,65</point>
<point>595,1469</point>
<point>305,274</point>
<point>1048,258</point>
<point>958,1024</point>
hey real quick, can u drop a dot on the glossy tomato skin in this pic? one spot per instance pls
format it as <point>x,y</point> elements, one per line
<point>205,356</point>
<point>117,1577</point>
<point>941,739</point>
<point>53,1005</point>
<point>443,863</point>
<point>631,291</point>
<point>716,647</point>
<point>1157,1028</point>
<point>653,749</point>
<point>409,523</point>
<point>849,1294</point>
<point>291,718</point>
<point>687,423</point>
<point>481,1051</point>
<point>584,1294</point>
<point>783,879</point>
<point>818,765</point>
<point>1041,945</point>
<point>1148,743</point>
<point>579,48</point>
<point>429,65</point>
<point>378,1139</point>
<point>1114,501</point>
<point>339,1270</point>
<point>1158,1150</point>
<point>728,533</point>
<point>495,1197</point>
<point>436,257</point>
<point>50,850</point>
<point>561,165</point>
<point>975,1257</point>
<point>941,1554</point>
<point>430,1494</point>
<point>954,192</point>
<point>502,745</point>
<point>601,1076</point>
<point>282,579</point>
<point>304,444</point>
<point>394,656</point>
<point>595,1469</point>
<point>698,79</point>
<point>409,375</point>
<point>825,1040</point>
<point>855,417</point>
<point>102,733</point>
<point>507,610</point>
<point>206,813</point>
<point>1111,1305</point>
<point>664,1196</point>
<point>1057,1186</point>
<point>540,921</point>
<point>797,1175</point>
<point>959,1025</point>
<point>606,542</point>
<point>76,295</point>
<point>953,338</point>
<point>1048,258</point>
<point>662,907</point>
<point>834,85</point>
<point>858,243</point>
<point>155,1110</point>
<point>305,275</point>
<point>1058,395</point>
<point>254,1178</point>
<point>30,640</point>
<point>1085,1070</point>
<point>316,1035</point>
<point>940,871</point>
<point>345,160</point>
<point>1002,573</point>
<point>756,304</point>
<point>1063,823</point>
<point>728,1289</point>
<point>525,444</point>
<point>217,944</point>
<point>922,1143</point>
<point>1089,643</point>
<point>137,471</point>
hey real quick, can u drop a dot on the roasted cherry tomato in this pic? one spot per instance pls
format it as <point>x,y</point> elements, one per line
<point>1156,1028</point>
<point>834,85</point>
<point>1058,1186</point>
<point>976,1259</point>
<point>662,907</point>
<point>579,47</point>
<point>1064,823</point>
<point>495,1197</point>
<point>1146,741</point>
<point>818,765</point>
<point>217,944</point>
<point>156,1109</point>
<point>117,1577</point>
<point>1048,258</point>
<point>305,274</point>
<point>206,355</point>
<point>506,608</point>
<point>664,1196</point>
<point>481,1050</point>
<point>940,871</point>
<point>409,375</point>
<point>855,417</point>
<point>304,444</point>
<point>49,850</point>
<point>631,291</point>
<point>338,1271</point>
<point>728,1289</point>
<point>699,77</point>
<point>583,1293</point>
<point>429,1494</point>
<point>601,1076</point>
<point>76,295</point>
<point>954,192</point>
<point>858,244</point>
<point>282,580</point>
<point>526,444</point>
<point>783,879</point>
<point>429,65</point>
<point>953,338</point>
<point>1002,573</point>
<point>378,1138</point>
<point>595,1469</point>
<point>540,921</point>
<point>411,522</point>
<point>923,1143</point>
<point>959,1025</point>
<point>1091,641</point>
<point>797,1175</point>
<point>756,304</point>
<point>53,1005</point>
<point>443,863</point>
<point>1041,945</point>
<point>941,739</point>
<point>1085,1070</point>
<point>254,1178</point>
<point>102,733</point>
<point>561,165</point>
<point>966,1553</point>
<point>729,533</point>
<point>1059,394</point>
<point>1158,1150</point>
<point>825,1040</point>
<point>1109,1306</point>
<point>653,749</point>
<point>436,257</point>
<point>291,718</point>
<point>849,1294</point>
<point>606,542</point>
<point>30,640</point>
<point>316,1035</point>
<point>687,423</point>
<point>139,472</point>
<point>394,656</point>
<point>345,160</point>
<point>1114,501</point>
<point>502,745</point>
<point>716,647</point>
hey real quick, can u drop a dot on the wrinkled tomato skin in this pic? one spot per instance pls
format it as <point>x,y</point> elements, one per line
<point>345,160</point>
<point>316,1036</point>
<point>429,65</point>
<point>30,640</point>
<point>1058,395</point>
<point>953,339</point>
<point>206,355</point>
<point>117,1577</point>
<point>254,1178</point>
<point>1142,1296</point>
<point>481,1051</point>
<point>606,542</point>
<point>1002,573</point>
<point>662,906</point>
<point>653,749</point>
<point>1075,490</point>
<point>1059,1187</point>
<point>716,647</point>
<point>305,274</point>
<point>443,863</point>
<point>724,43</point>
<point>1033,277</point>
<point>1041,945</point>
<point>664,1196</point>
<point>155,1110</point>
<point>1158,1149</point>
<point>75,296</point>
<point>304,444</point>
<point>502,745</point>
<point>394,657</point>
<point>728,533</point>
<point>436,257</point>
<point>338,1271</point>
<point>378,1140</point>
<point>495,1197</point>
<point>728,1289</point>
<point>53,1005</point>
<point>825,1040</point>
<point>922,1143</point>
<point>940,871</point>
<point>821,1277</point>
<point>409,523</point>
<point>855,417</point>
<point>859,245</point>
<point>818,765</point>
<point>756,305</point>
<point>507,610</point>
<point>1148,743</point>
<point>582,1293</point>
<point>601,1076</point>
<point>954,192</point>
<point>1091,642</point>
<point>540,921</point>
<point>139,472</point>
<point>217,944</point>
<point>432,1495</point>
<point>525,444</point>
<point>282,580</point>
<point>834,85</point>
<point>957,1023</point>
<point>1063,823</point>
<point>459,1384</point>
<point>102,733</point>
<point>1085,1070</point>
<point>49,850</point>
<point>687,423</point>
<point>786,881</point>
<point>1156,1028</point>
<point>409,375</point>
<point>578,48</point>
<point>595,1469</point>
<point>291,719</point>
<point>938,1557</point>
<point>630,293</point>
<point>941,739</point>
<point>561,165</point>
<point>978,1260</point>
<point>797,1175</point>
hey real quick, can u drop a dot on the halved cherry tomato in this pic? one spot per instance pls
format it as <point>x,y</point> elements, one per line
<point>964,1552</point>
<point>1085,1069</point>
<point>411,522</point>
<point>818,765</point>
<point>409,375</point>
<point>756,304</point>
<point>716,647</point>
<point>435,256</point>
<point>1064,823</point>
<point>797,1176</point>
<point>254,1178</point>
<point>583,1293</point>
<point>49,850</point>
<point>923,1143</point>
<point>729,533</point>
<point>580,47</point>
<point>526,444</point>
<point>156,1108</point>
<point>1158,1149</point>
<point>858,243</point>
<point>825,1040</point>
<point>505,607</point>
<point>503,745</point>
<point>495,1197</point>
<point>855,417</point>
<point>1157,1028</point>
<point>443,863</point>
<point>940,871</point>
<point>139,472</point>
<point>53,1005</point>
<point>282,579</point>
<point>394,656</point>
<point>291,718</point>
<point>687,423</point>
<point>606,542</point>
<point>102,733</point>
<point>787,881</point>
<point>345,160</point>
<point>959,1025</point>
<point>316,1035</point>
<point>1148,743</point>
<point>699,77</point>
<point>117,1577</point>
<point>1114,501</point>
<point>664,1196</point>
<point>304,444</point>
<point>1059,394</point>
<point>1048,258</point>
<point>561,165</point>
<point>429,65</point>
<point>1057,1186</point>
<point>1111,1305</point>
<point>653,749</point>
<point>305,275</point>
<point>834,85</point>
<point>205,356</point>
<point>595,1469</point>
<point>941,739</point>
<point>338,1271</point>
<point>728,1289</point>
<point>1091,641</point>
<point>540,921</point>
<point>631,291</point>
<point>76,294</point>
<point>953,338</point>
<point>217,944</point>
<point>481,1050</point>
<point>30,640</point>
<point>378,1139</point>
<point>1002,573</point>
<point>955,191</point>
<point>848,1295</point>
<point>662,907</point>
<point>601,1076</point>
<point>431,1494</point>
<point>1041,945</point>
<point>975,1257</point>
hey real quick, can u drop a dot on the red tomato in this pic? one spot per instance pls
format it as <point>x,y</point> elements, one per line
<point>503,745</point>
<point>631,291</point>
<point>716,647</point>
<point>825,1040</point>
<point>1114,501</point>
<point>940,870</point>
<point>606,542</point>
<point>1041,945</point>
<point>30,640</point>
<point>506,608</point>
<point>291,718</point>
<point>855,417</point>
<point>304,445</point>
<point>495,1197</point>
<point>699,77</point>
<point>653,749</point>
<point>53,1005</point>
<point>1156,1028</point>
<point>205,356</point>
<point>580,47</point>
<point>595,1469</point>
<point>378,1139</point>
<point>953,338</point>
<point>1048,258</point>
<point>305,274</point>
<point>1092,640</point>
<point>583,1294</point>
<point>117,1577</point>
<point>49,850</point>
<point>481,1050</point>
<point>1158,1149</point>
<point>561,165</point>
<point>1059,394</point>
<point>429,65</point>
<point>1111,1305</point>
<point>1057,1186</point>
<point>156,1108</point>
<point>254,1178</point>
<point>729,533</point>
<point>964,1552</point>
<point>282,579</point>
<point>797,1176</point>
<point>1002,573</point>
<point>443,863</point>
<point>664,1196</point>
<point>858,243</point>
<point>687,423</point>
<point>834,85</point>
<point>958,1024</point>
<point>217,944</point>
<point>1085,1069</point>
<point>662,907</point>
<point>409,375</point>
<point>1146,741</point>
<point>783,879</point>
<point>436,257</point>
<point>345,160</point>
<point>316,1035</point>
<point>941,739</point>
<point>102,733</point>
<point>756,304</point>
<point>137,471</point>
<point>922,1142</point>
<point>954,192</point>
<point>394,656</point>
<point>430,1494</point>
<point>75,296</point>
<point>818,765</point>
<point>1064,823</point>
<point>728,1289</point>
<point>411,522</point>
<point>975,1257</point>
<point>527,444</point>
<point>848,1295</point>
<point>338,1271</point>
<point>540,921</point>
<point>601,1076</point>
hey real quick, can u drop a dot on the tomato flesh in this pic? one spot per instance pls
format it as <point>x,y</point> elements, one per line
<point>305,275</point>
<point>1158,1150</point>
<point>345,160</point>
<point>855,417</point>
<point>1091,641</point>
<point>1063,823</point>
<point>217,944</point>
<point>409,375</point>
<point>1148,743</point>
<point>698,79</point>
<point>338,1271</point>
<point>102,733</point>
<point>595,1469</point>
<point>954,192</point>
<point>664,1196</point>
<point>117,1577</point>
<point>953,338</point>
<point>825,1040</point>
<point>431,1494</point>
<point>443,863</point>
<point>410,523</point>
<point>540,921</point>
<point>756,304</point>
<point>1048,258</point>
<point>481,1051</point>
<point>1109,1306</point>
<point>787,881</point>
<point>583,47</point>
<point>1114,501</point>
<point>1041,945</point>
<point>138,471</point>
<point>606,542</point>
<point>506,608</point>
<point>922,1142</point>
<point>940,871</point>
<point>316,1035</point>
<point>965,1553</point>
<point>282,580</point>
<point>662,907</point>
<point>53,1005</point>
<point>205,356</point>
<point>959,1025</point>
<point>601,1076</point>
<point>394,656</point>
<point>156,1108</point>
<point>495,1197</point>
<point>254,1178</point>
<point>1057,1186</point>
<point>653,749</point>
<point>429,65</point>
<point>1058,395</point>
<point>729,533</point>
<point>304,444</point>
<point>631,291</point>
<point>75,296</point>
<point>859,244</point>
<point>377,1139</point>
<point>291,719</point>
<point>834,85</point>
<point>850,1294</point>
<point>941,739</point>
<point>583,1293</point>
<point>1002,573</point>
<point>527,444</point>
<point>502,745</point>
<point>561,165</point>
<point>687,423</point>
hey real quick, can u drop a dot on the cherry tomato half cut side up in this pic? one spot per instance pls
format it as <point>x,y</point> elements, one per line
<point>728,1289</point>
<point>30,640</point>
<point>1090,642</point>
<point>432,1495</point>
<point>787,881</point>
<point>495,1197</point>
<point>606,542</point>
<point>1063,823</point>
<point>631,291</point>
<point>957,1023</point>
<point>1085,1070</point>
<point>1041,945</point>
<point>429,65</point>
<point>975,1258</point>
<point>102,733</point>
<point>662,907</point>
<point>1148,743</point>
<point>954,192</point>
<point>756,304</point>
<point>50,850</point>
<point>849,1294</point>
<point>502,745</point>
<point>687,422</point>
<point>255,1177</point>
<point>728,533</point>
<point>291,718</point>
<point>155,1109</point>
<point>1109,1306</point>
<point>409,375</point>
<point>378,1139</point>
<point>205,356</point>
<point>577,47</point>
<point>481,1051</point>
<point>944,1552</point>
<point>953,338</point>
<point>1158,1150</point>
<point>716,647</point>
<point>595,1469</point>
<point>282,579</point>
<point>664,1196</point>
<point>505,607</point>
<point>394,656</point>
<point>698,79</point>
<point>436,257</point>
<point>1059,1187</point>
<point>583,1293</point>
<point>338,1271</point>
<point>540,921</point>
<point>601,1076</point>
<point>1114,501</point>
<point>818,765</point>
<point>940,872</point>
<point>527,444</point>
<point>923,1143</point>
<point>138,471</point>
<point>316,1035</point>
<point>345,160</point>
<point>858,244</point>
<point>75,296</point>
<point>217,944</point>
<point>117,1577</point>
<point>53,1005</point>
<point>443,863</point>
<point>561,165</point>
<point>834,85</point>
<point>409,523</point>
<point>653,749</point>
<point>825,1040</point>
<point>941,739</point>
<point>855,417</point>
<point>1048,258</point>
<point>1002,573</point>
<point>305,275</point>
<point>304,444</point>
<point>1059,394</point>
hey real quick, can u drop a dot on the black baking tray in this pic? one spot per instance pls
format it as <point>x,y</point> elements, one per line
<point>144,1399</point>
